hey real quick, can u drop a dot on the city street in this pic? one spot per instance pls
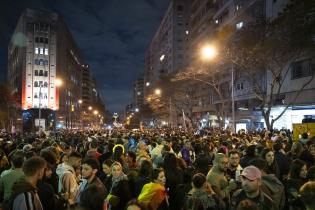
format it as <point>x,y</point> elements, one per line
<point>157,105</point>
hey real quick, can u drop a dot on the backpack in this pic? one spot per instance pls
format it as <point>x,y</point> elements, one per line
<point>8,205</point>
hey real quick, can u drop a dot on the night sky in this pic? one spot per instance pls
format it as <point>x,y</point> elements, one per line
<point>113,36</point>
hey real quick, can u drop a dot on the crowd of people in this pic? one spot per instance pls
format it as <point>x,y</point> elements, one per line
<point>153,169</point>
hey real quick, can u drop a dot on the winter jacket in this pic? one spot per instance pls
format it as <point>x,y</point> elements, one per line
<point>25,196</point>
<point>67,182</point>
<point>273,187</point>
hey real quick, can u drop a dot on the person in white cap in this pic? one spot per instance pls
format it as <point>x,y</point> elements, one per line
<point>251,182</point>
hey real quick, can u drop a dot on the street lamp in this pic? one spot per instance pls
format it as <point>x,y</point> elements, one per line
<point>90,108</point>
<point>80,101</point>
<point>58,83</point>
<point>208,52</point>
<point>157,91</point>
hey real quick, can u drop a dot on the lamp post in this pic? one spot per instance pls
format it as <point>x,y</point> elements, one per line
<point>232,95</point>
<point>208,52</point>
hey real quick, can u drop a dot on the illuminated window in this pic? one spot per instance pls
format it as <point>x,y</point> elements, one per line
<point>46,51</point>
<point>36,50</point>
<point>41,51</point>
<point>239,25</point>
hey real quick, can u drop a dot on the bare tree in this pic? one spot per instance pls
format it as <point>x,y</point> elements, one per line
<point>268,49</point>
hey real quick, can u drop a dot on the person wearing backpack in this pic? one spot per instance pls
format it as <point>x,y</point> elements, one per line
<point>24,192</point>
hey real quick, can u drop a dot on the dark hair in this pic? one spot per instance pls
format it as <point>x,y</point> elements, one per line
<point>92,198</point>
<point>170,162</point>
<point>198,180</point>
<point>305,135</point>
<point>250,150</point>
<point>232,152</point>
<point>307,194</point>
<point>132,155</point>
<point>264,153</point>
<point>155,173</point>
<point>311,173</point>
<point>277,146</point>
<point>109,162</point>
<point>145,168</point>
<point>94,144</point>
<point>17,158</point>
<point>295,168</point>
<point>49,156</point>
<point>75,154</point>
<point>32,165</point>
<point>92,162</point>
<point>247,205</point>
<point>260,164</point>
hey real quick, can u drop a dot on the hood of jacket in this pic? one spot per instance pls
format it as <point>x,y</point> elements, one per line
<point>22,186</point>
<point>62,168</point>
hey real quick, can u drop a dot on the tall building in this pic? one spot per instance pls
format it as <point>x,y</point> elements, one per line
<point>167,51</point>
<point>207,19</point>
<point>138,98</point>
<point>42,52</point>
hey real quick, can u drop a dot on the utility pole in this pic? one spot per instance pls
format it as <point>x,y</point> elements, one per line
<point>232,95</point>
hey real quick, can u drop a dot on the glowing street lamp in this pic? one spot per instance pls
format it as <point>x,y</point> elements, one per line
<point>80,101</point>
<point>58,82</point>
<point>157,91</point>
<point>95,112</point>
<point>208,52</point>
<point>90,108</point>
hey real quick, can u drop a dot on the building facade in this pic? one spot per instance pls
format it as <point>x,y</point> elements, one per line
<point>45,69</point>
<point>167,51</point>
<point>138,94</point>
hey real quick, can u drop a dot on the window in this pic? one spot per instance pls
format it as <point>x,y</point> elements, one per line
<point>239,25</point>
<point>180,8</point>
<point>40,95</point>
<point>41,62</point>
<point>240,86</point>
<point>41,51</point>
<point>36,62</point>
<point>46,62</point>
<point>36,72</point>
<point>35,95</point>
<point>36,50</point>
<point>46,51</point>
<point>45,84</point>
<point>46,40</point>
<point>303,68</point>
<point>35,84</point>
<point>36,39</point>
<point>41,73</point>
<point>40,83</point>
<point>41,39</point>
<point>46,73</point>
